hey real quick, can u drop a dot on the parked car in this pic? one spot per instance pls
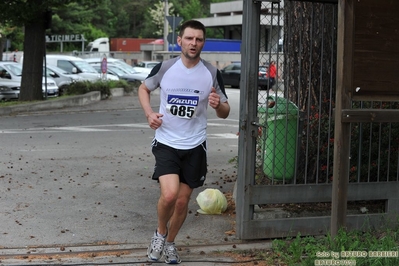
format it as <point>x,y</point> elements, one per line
<point>117,62</point>
<point>147,64</point>
<point>232,75</point>
<point>121,73</point>
<point>61,77</point>
<point>263,71</point>
<point>75,65</point>
<point>51,88</point>
<point>9,90</point>
<point>143,70</point>
<point>13,71</point>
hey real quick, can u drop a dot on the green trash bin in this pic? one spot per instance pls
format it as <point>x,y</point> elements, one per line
<point>279,137</point>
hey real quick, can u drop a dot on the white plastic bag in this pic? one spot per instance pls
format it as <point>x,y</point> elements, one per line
<point>211,201</point>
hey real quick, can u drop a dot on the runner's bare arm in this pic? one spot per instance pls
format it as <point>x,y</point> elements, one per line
<point>153,118</point>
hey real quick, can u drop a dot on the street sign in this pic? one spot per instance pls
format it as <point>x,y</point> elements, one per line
<point>104,65</point>
<point>65,38</point>
<point>174,21</point>
<point>172,37</point>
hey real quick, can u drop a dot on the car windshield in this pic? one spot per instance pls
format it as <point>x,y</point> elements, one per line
<point>59,70</point>
<point>117,70</point>
<point>48,72</point>
<point>151,65</point>
<point>146,64</point>
<point>85,67</point>
<point>233,67</point>
<point>88,47</point>
<point>54,69</point>
<point>124,66</point>
<point>15,69</point>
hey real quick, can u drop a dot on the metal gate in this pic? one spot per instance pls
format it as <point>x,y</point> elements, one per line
<point>286,140</point>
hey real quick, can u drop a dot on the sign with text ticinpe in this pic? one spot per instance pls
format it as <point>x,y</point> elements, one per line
<point>65,38</point>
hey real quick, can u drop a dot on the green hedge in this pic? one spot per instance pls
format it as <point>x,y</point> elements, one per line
<point>83,87</point>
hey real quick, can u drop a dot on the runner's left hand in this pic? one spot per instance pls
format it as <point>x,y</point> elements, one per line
<point>214,99</point>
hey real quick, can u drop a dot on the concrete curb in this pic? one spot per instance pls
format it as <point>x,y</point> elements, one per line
<point>77,100</point>
<point>124,254</point>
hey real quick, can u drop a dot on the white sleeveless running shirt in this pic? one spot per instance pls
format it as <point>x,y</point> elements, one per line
<point>184,100</point>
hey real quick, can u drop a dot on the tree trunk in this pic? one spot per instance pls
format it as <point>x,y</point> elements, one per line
<point>34,51</point>
<point>310,50</point>
<point>310,74</point>
<point>2,42</point>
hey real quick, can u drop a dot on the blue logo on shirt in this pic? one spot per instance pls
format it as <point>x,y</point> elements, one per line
<point>183,100</point>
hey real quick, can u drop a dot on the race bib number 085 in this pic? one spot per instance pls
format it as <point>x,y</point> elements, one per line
<point>182,106</point>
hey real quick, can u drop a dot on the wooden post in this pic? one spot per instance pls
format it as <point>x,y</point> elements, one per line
<point>345,46</point>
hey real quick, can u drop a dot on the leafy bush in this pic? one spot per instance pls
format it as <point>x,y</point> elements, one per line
<point>374,150</point>
<point>104,87</point>
<point>128,87</point>
<point>80,87</point>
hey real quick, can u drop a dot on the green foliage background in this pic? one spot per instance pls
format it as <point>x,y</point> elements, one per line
<point>94,19</point>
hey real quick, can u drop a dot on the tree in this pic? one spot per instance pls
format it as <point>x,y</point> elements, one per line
<point>191,9</point>
<point>130,19</point>
<point>309,70</point>
<point>197,9</point>
<point>3,39</point>
<point>13,35</point>
<point>35,17</point>
<point>155,17</point>
<point>78,18</point>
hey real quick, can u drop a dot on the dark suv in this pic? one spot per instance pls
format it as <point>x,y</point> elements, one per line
<point>232,75</point>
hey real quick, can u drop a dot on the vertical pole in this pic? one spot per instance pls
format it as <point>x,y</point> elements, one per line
<point>166,28</point>
<point>345,41</point>
<point>174,35</point>
<point>248,114</point>
<point>45,68</point>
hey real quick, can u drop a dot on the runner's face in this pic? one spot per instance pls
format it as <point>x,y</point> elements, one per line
<point>191,43</point>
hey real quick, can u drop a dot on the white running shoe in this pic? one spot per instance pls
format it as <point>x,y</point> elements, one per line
<point>156,248</point>
<point>171,255</point>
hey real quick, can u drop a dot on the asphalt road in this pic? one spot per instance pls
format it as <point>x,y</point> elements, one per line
<point>80,177</point>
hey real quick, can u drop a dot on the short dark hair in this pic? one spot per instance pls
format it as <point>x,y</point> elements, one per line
<point>194,24</point>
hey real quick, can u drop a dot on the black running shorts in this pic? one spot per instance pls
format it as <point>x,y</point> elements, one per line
<point>190,165</point>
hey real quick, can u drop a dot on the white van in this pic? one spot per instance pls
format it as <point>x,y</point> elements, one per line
<point>74,65</point>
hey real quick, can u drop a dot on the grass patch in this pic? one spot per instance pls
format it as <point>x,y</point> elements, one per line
<point>16,102</point>
<point>356,247</point>
<point>11,103</point>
